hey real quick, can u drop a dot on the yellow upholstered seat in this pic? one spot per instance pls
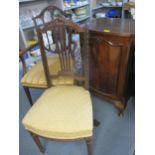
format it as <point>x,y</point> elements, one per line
<point>62,112</point>
<point>35,77</point>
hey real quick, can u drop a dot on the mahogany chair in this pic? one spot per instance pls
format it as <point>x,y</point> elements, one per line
<point>51,12</point>
<point>34,78</point>
<point>64,112</point>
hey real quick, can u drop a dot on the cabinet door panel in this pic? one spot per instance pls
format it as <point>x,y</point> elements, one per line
<point>104,64</point>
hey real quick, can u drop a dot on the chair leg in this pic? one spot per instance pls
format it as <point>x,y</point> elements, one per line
<point>89,146</point>
<point>27,91</point>
<point>38,143</point>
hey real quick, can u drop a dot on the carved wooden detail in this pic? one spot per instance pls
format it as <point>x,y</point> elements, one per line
<point>63,31</point>
<point>41,17</point>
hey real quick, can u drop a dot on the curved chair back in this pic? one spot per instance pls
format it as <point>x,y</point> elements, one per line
<point>64,31</point>
<point>48,14</point>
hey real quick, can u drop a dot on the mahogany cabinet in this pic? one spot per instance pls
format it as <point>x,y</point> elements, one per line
<point>111,58</point>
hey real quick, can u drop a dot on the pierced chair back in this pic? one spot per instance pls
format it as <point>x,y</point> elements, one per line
<point>48,14</point>
<point>73,60</point>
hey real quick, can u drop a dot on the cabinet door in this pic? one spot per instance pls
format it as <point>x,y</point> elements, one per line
<point>104,67</point>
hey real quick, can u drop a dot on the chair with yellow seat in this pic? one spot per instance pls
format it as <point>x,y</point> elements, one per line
<point>64,112</point>
<point>34,78</point>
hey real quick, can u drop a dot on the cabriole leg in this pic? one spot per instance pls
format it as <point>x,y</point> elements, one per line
<point>120,107</point>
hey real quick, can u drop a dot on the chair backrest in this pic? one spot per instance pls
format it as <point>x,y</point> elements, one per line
<point>64,31</point>
<point>48,14</point>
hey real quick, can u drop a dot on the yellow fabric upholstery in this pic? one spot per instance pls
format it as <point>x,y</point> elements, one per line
<point>35,77</point>
<point>62,112</point>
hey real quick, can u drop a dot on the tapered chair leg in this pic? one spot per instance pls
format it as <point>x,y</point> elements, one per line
<point>89,146</point>
<point>27,91</point>
<point>38,143</point>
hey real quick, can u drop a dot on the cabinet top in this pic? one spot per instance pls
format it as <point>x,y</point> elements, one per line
<point>115,26</point>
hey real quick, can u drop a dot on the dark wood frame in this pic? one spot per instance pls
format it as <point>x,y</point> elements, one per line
<point>64,56</point>
<point>88,140</point>
<point>51,9</point>
<point>21,56</point>
<point>40,16</point>
<point>72,28</point>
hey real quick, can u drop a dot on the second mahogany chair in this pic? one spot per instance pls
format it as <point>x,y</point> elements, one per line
<point>64,112</point>
<point>34,78</point>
